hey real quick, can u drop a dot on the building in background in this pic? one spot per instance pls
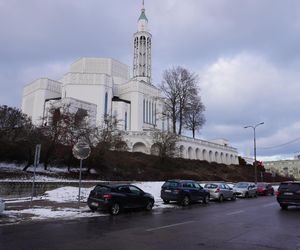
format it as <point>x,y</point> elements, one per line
<point>103,86</point>
<point>289,168</point>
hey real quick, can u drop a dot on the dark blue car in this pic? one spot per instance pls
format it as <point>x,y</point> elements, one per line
<point>183,191</point>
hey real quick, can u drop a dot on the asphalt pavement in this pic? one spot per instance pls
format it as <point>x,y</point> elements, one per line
<point>256,223</point>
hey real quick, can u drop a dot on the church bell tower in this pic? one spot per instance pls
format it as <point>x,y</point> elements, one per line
<point>142,49</point>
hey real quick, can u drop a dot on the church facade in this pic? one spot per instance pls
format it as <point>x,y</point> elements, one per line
<point>103,86</point>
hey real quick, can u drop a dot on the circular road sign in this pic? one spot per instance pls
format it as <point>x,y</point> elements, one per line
<point>81,150</point>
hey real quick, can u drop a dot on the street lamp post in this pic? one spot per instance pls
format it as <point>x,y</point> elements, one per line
<point>255,164</point>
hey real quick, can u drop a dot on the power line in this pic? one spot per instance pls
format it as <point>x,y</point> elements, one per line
<point>281,145</point>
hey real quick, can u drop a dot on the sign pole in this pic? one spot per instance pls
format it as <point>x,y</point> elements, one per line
<point>80,170</point>
<point>81,150</point>
<point>36,162</point>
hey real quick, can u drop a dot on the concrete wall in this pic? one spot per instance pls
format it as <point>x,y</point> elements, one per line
<point>16,189</point>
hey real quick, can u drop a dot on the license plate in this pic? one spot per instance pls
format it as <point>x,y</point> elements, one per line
<point>95,204</point>
<point>288,193</point>
<point>168,191</point>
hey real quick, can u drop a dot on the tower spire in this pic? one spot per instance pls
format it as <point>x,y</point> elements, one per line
<point>142,49</point>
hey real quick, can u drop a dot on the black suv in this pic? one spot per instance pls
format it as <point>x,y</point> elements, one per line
<point>114,198</point>
<point>289,194</point>
<point>183,191</point>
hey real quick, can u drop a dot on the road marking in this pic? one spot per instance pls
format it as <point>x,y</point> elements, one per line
<point>270,204</point>
<point>171,225</point>
<point>236,212</point>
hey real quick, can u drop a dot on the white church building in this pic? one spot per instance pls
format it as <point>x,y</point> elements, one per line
<point>103,86</point>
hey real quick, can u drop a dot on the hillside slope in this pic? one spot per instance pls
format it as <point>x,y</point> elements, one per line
<point>140,167</point>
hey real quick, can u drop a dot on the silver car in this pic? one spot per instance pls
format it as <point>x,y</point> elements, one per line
<point>220,191</point>
<point>2,206</point>
<point>245,189</point>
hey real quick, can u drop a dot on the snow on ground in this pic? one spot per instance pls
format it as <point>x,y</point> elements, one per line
<point>47,213</point>
<point>70,194</point>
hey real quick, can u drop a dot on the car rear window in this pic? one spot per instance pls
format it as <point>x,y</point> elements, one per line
<point>170,184</point>
<point>293,187</point>
<point>261,185</point>
<point>102,189</point>
<point>211,186</point>
<point>241,185</point>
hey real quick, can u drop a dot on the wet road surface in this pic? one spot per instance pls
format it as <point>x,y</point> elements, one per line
<point>256,223</point>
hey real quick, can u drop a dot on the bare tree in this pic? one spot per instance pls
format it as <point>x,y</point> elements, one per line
<point>170,89</point>
<point>179,86</point>
<point>193,116</point>
<point>109,137</point>
<point>164,144</point>
<point>18,136</point>
<point>13,123</point>
<point>65,128</point>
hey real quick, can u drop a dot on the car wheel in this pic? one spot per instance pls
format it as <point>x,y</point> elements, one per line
<point>185,201</point>
<point>255,195</point>
<point>284,206</point>
<point>247,195</point>
<point>149,206</point>
<point>221,198</point>
<point>206,199</point>
<point>166,201</point>
<point>233,198</point>
<point>272,193</point>
<point>115,209</point>
<point>93,209</point>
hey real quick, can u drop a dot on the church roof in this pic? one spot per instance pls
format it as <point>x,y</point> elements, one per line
<point>143,15</point>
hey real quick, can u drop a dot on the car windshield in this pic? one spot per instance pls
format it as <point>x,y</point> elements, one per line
<point>170,184</point>
<point>293,187</point>
<point>241,185</point>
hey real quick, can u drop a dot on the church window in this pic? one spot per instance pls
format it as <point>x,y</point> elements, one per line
<point>125,120</point>
<point>105,103</point>
<point>155,114</point>
<point>144,107</point>
<point>152,115</point>
<point>150,111</point>
<point>146,111</point>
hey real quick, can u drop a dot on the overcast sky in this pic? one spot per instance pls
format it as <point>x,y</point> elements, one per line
<point>246,53</point>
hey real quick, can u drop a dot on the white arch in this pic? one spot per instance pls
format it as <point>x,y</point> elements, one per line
<point>217,157</point>
<point>231,159</point>
<point>182,151</point>
<point>210,154</point>
<point>222,157</point>
<point>198,154</point>
<point>205,155</point>
<point>190,153</point>
<point>139,147</point>
<point>154,149</point>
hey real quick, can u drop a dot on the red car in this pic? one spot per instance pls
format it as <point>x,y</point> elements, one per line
<point>265,189</point>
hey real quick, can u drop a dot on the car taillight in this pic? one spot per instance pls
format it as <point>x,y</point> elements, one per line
<point>107,196</point>
<point>176,191</point>
<point>298,192</point>
<point>278,193</point>
<point>217,190</point>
